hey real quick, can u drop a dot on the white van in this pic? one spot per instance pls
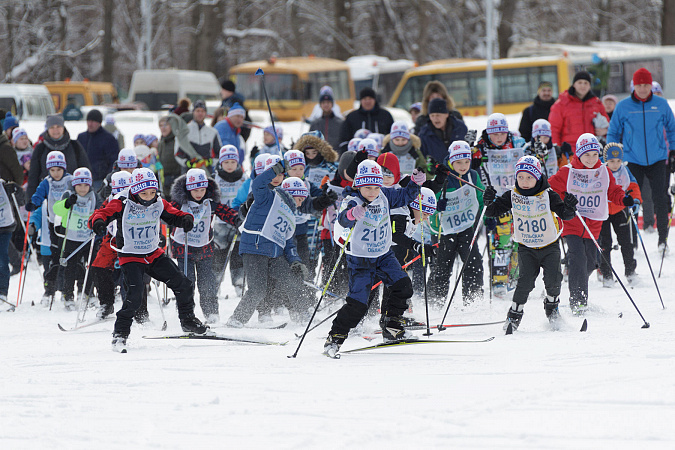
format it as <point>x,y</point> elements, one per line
<point>26,101</point>
<point>156,88</point>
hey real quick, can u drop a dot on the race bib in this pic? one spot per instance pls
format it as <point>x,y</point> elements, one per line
<point>200,235</point>
<point>533,222</point>
<point>140,227</point>
<point>622,178</point>
<point>501,166</point>
<point>6,214</point>
<point>371,237</point>
<point>460,213</point>
<point>280,223</point>
<point>590,187</point>
<point>78,230</point>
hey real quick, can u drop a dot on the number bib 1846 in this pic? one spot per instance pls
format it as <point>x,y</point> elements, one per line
<point>533,222</point>
<point>590,187</point>
<point>460,213</point>
<point>501,166</point>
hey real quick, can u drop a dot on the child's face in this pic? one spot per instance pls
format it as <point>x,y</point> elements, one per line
<point>525,180</point>
<point>148,194</point>
<point>22,143</point>
<point>229,166</point>
<point>268,139</point>
<point>388,181</point>
<point>462,166</point>
<point>498,138</point>
<point>82,189</point>
<point>298,201</point>
<point>276,181</point>
<point>589,159</point>
<point>297,171</point>
<point>370,193</point>
<point>400,141</point>
<point>56,173</point>
<point>310,153</point>
<point>128,170</point>
<point>544,139</point>
<point>414,114</point>
<point>139,142</point>
<point>419,216</point>
<point>614,164</point>
<point>198,194</point>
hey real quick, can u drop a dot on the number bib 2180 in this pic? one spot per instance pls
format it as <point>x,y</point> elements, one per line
<point>590,187</point>
<point>501,166</point>
<point>533,222</point>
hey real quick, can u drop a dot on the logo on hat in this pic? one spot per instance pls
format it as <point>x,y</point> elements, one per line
<point>139,177</point>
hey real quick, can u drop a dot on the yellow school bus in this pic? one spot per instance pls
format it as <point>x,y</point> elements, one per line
<point>293,84</point>
<point>82,93</point>
<point>515,82</point>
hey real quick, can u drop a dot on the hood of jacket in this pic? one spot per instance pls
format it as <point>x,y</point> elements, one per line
<point>324,148</point>
<point>179,192</point>
<point>390,161</point>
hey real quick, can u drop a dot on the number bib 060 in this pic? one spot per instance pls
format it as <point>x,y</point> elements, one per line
<point>371,237</point>
<point>460,213</point>
<point>280,223</point>
<point>6,214</point>
<point>501,166</point>
<point>140,227</point>
<point>200,235</point>
<point>590,187</point>
<point>533,222</point>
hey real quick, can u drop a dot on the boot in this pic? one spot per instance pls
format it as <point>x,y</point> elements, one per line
<point>551,309</point>
<point>69,302</point>
<point>212,318</point>
<point>332,345</point>
<point>514,316</point>
<point>105,310</point>
<point>119,342</point>
<point>393,329</point>
<point>190,324</point>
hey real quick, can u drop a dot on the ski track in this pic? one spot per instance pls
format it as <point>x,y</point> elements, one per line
<point>610,387</point>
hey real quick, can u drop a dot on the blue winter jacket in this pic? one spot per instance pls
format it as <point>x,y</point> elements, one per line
<point>242,193</point>
<point>642,128</point>
<point>433,146</point>
<point>256,244</point>
<point>303,228</point>
<point>102,149</point>
<point>229,135</point>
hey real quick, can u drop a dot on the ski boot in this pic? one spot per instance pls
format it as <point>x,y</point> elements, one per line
<point>552,312</point>
<point>119,342</point>
<point>393,329</point>
<point>190,324</point>
<point>46,300</point>
<point>212,318</point>
<point>514,316</point>
<point>69,303</point>
<point>104,311</point>
<point>142,317</point>
<point>332,345</point>
<point>578,307</point>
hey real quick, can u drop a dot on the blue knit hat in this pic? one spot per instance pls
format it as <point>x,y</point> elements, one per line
<point>236,110</point>
<point>10,122</point>
<point>529,164</point>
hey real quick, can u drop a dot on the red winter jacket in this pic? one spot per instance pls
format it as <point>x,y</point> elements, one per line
<point>574,227</point>
<point>571,117</point>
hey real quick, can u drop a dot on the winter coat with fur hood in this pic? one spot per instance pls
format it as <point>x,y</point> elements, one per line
<point>409,157</point>
<point>325,163</point>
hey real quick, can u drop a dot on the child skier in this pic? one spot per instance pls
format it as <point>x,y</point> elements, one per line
<point>459,207</point>
<point>537,212</point>
<point>319,157</point>
<point>364,213</point>
<point>199,195</point>
<point>270,142</point>
<point>370,146</point>
<point>51,189</point>
<point>619,217</point>
<point>8,220</point>
<point>406,146</point>
<point>138,212</point>
<point>541,147</point>
<point>126,162</point>
<point>594,186</point>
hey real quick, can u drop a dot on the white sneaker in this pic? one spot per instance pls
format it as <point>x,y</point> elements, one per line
<point>233,323</point>
<point>212,318</point>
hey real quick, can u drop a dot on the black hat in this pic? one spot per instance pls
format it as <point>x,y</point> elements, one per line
<point>199,104</point>
<point>583,75</point>
<point>367,92</point>
<point>438,106</point>
<point>228,85</point>
<point>326,97</point>
<point>95,116</point>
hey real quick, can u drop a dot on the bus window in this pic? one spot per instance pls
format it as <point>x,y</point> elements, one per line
<point>155,100</point>
<point>412,91</point>
<point>56,98</point>
<point>77,99</point>
<point>8,104</point>
<point>386,85</point>
<point>359,85</point>
<point>338,80</point>
<point>46,106</point>
<point>279,86</point>
<point>107,98</point>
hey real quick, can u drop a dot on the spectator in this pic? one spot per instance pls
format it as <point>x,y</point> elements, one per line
<point>609,102</point>
<point>230,98</point>
<point>443,128</point>
<point>318,111</point>
<point>8,126</point>
<point>328,123</point>
<point>112,129</point>
<point>230,129</point>
<point>573,113</point>
<point>72,111</point>
<point>10,169</point>
<point>433,90</point>
<point>204,139</point>
<point>640,123</point>
<point>56,137</point>
<point>415,111</point>
<point>165,150</point>
<point>369,116</point>
<point>101,147</point>
<point>218,115</point>
<point>183,109</point>
<point>539,109</point>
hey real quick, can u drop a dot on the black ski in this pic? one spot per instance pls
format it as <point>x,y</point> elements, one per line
<point>414,341</point>
<point>79,327</point>
<point>584,326</point>
<point>273,327</point>
<point>509,329</point>
<point>214,337</point>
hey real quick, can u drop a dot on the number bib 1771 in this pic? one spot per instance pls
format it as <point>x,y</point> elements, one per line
<point>460,213</point>
<point>280,223</point>
<point>501,166</point>
<point>140,227</point>
<point>590,187</point>
<point>533,222</point>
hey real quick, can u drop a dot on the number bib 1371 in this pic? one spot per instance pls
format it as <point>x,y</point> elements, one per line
<point>140,227</point>
<point>501,166</point>
<point>460,213</point>
<point>590,187</point>
<point>533,222</point>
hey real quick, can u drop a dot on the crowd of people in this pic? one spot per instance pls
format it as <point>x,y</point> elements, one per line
<point>181,208</point>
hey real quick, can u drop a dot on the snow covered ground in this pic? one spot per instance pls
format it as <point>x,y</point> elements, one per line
<point>611,387</point>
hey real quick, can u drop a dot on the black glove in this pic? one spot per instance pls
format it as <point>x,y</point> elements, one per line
<point>442,169</point>
<point>11,188</point>
<point>628,200</point>
<point>470,137</point>
<point>31,229</point>
<point>254,152</point>
<point>570,201</point>
<point>566,149</point>
<point>429,250</point>
<point>70,201</point>
<point>442,205</point>
<point>99,227</point>
<point>279,167</point>
<point>162,240</point>
<point>540,149</point>
<point>324,201</point>
<point>300,270</point>
<point>490,194</point>
<point>360,157</point>
<point>490,223</point>
<point>187,223</point>
<point>30,207</point>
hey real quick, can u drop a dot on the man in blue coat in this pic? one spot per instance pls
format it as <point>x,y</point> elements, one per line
<point>101,147</point>
<point>642,123</point>
<point>441,131</point>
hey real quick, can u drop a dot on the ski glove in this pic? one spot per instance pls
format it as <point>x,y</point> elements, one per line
<point>11,188</point>
<point>490,224</point>
<point>356,213</point>
<point>324,201</point>
<point>418,177</point>
<point>628,200</point>
<point>442,205</point>
<point>490,194</point>
<point>187,223</point>
<point>570,201</point>
<point>470,137</point>
<point>279,167</point>
<point>300,270</point>
<point>30,207</point>
<point>99,227</point>
<point>429,250</point>
<point>70,201</point>
<point>360,157</point>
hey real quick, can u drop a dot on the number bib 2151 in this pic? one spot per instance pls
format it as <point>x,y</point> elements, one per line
<point>590,187</point>
<point>533,222</point>
<point>371,237</point>
<point>501,166</point>
<point>460,213</point>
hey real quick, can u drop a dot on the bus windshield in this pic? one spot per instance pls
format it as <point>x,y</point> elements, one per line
<point>279,86</point>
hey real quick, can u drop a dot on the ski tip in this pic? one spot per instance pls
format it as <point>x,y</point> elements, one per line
<point>61,328</point>
<point>509,330</point>
<point>164,326</point>
<point>124,350</point>
<point>584,326</point>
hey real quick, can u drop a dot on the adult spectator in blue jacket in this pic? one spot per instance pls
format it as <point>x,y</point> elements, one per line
<point>101,147</point>
<point>230,129</point>
<point>369,116</point>
<point>230,97</point>
<point>442,129</point>
<point>642,122</point>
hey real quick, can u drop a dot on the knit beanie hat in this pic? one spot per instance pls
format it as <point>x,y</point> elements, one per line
<point>270,130</point>
<point>362,133</point>
<point>428,201</point>
<point>228,153</point>
<point>582,75</point>
<point>17,133</point>
<point>294,158</point>
<point>120,181</point>
<point>368,173</point>
<point>259,163</point>
<point>399,129</point>
<point>144,179</point>
<point>529,164</point>
<point>272,160</point>
<point>370,146</point>
<point>642,76</point>
<point>56,159</point>
<point>10,122</point>
<point>612,152</point>
<point>541,127</point>
<point>95,116</point>
<point>353,145</point>
<point>458,150</point>
<point>438,106</point>
<point>82,175</point>
<point>126,159</point>
<point>587,142</point>
<point>367,92</point>
<point>497,123</point>
<point>296,187</point>
<point>196,179</point>
<point>54,119</point>
<point>236,110</point>
<point>199,104</point>
<point>656,88</point>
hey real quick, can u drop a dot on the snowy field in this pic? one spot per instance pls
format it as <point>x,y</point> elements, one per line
<point>611,387</point>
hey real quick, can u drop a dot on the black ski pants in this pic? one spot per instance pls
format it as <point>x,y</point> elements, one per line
<point>530,261</point>
<point>657,174</point>
<point>622,228</point>
<point>582,256</point>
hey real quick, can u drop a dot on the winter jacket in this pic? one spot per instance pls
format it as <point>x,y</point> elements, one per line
<point>330,126</point>
<point>204,139</point>
<point>10,169</point>
<point>256,244</point>
<point>640,127</point>
<point>571,117</point>
<point>433,145</point>
<point>102,149</point>
<point>539,109</point>
<point>75,157</point>
<point>112,129</point>
<point>20,200</point>
<point>633,189</point>
<point>325,162</point>
<point>574,227</point>
<point>414,155</point>
<point>377,120</point>
<point>165,150</point>
<point>230,135</point>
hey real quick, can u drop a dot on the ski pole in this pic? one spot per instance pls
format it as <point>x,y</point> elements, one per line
<point>670,221</point>
<point>424,266</point>
<point>160,300</point>
<point>84,284</point>
<point>64,261</point>
<point>19,295</point>
<point>11,306</point>
<point>647,257</point>
<point>583,222</point>
<point>227,261</point>
<point>330,278</point>
<point>185,257</point>
<point>461,273</point>
<point>261,74</point>
<point>466,182</point>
